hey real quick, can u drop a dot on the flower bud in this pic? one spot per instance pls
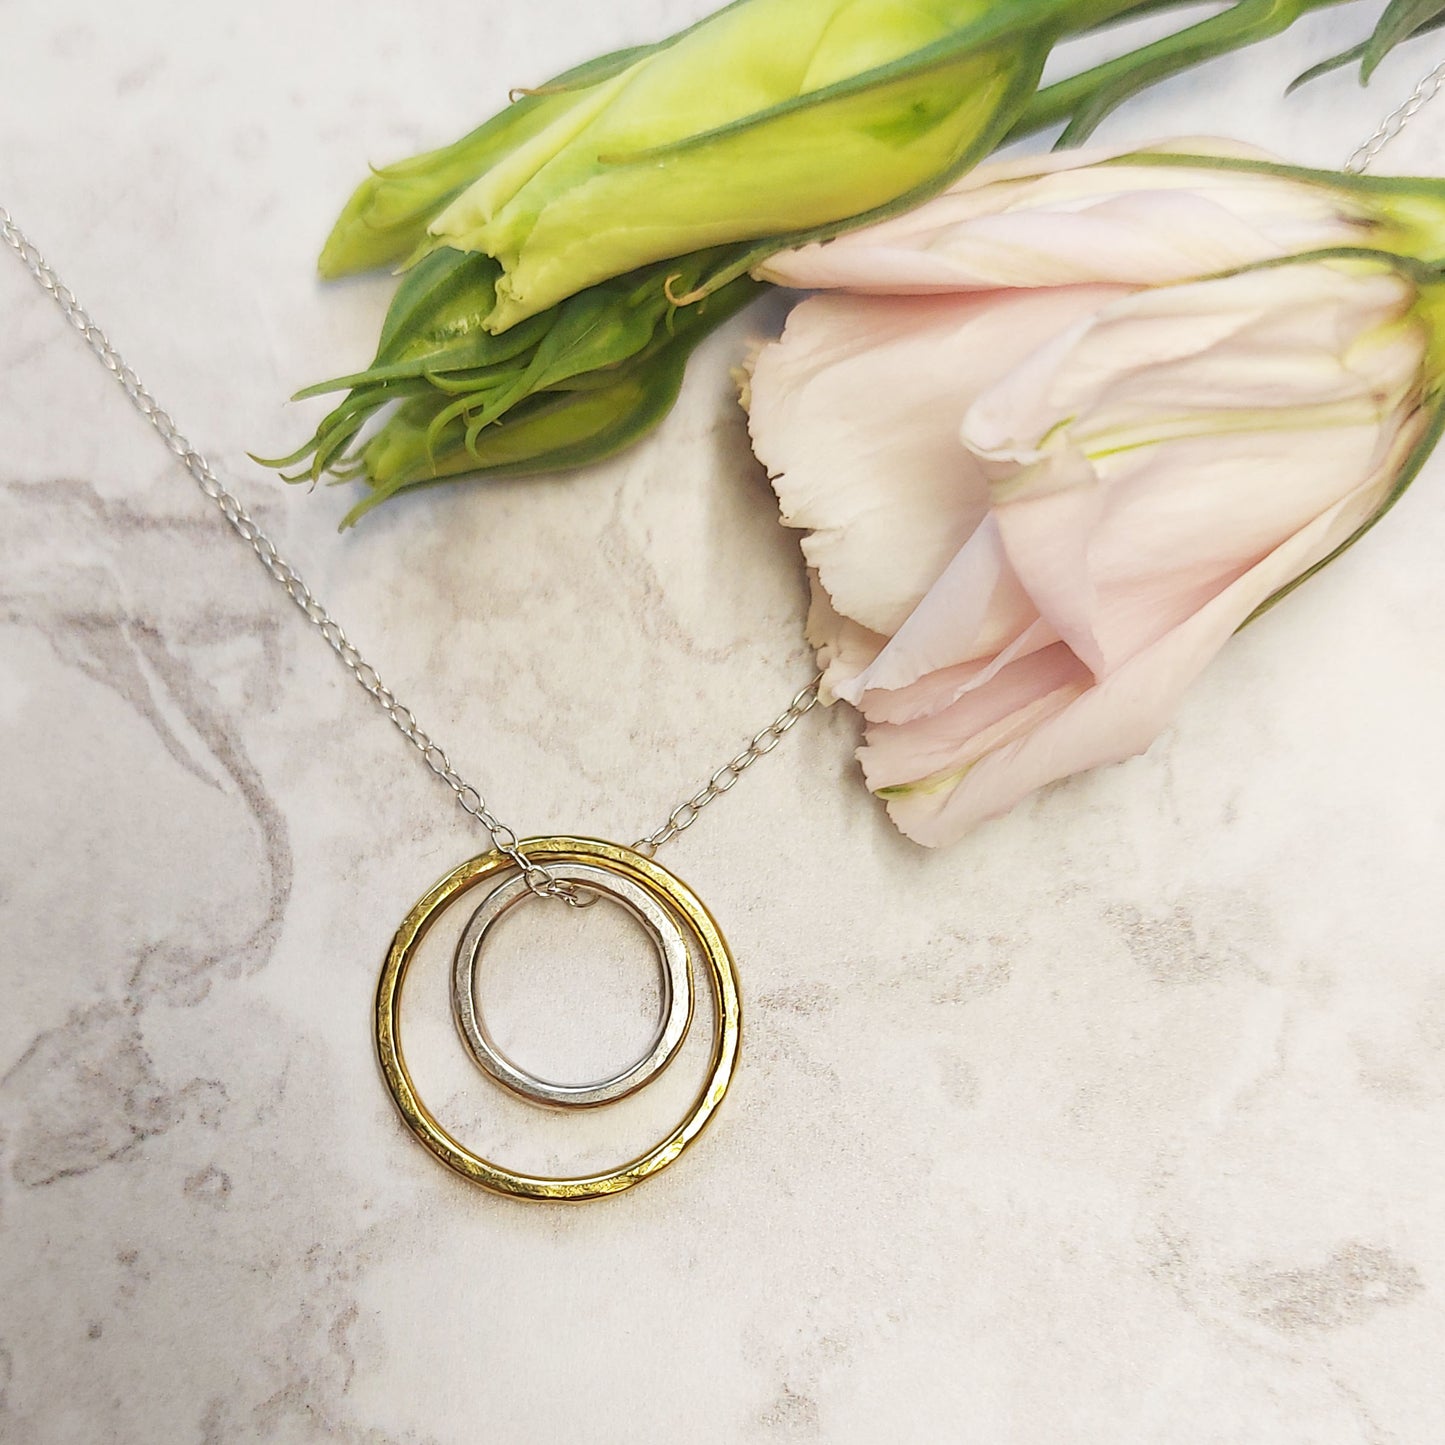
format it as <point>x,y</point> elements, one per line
<point>719,136</point>
<point>765,123</point>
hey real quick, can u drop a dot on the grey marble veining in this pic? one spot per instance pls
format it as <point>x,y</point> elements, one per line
<point>1120,1123</point>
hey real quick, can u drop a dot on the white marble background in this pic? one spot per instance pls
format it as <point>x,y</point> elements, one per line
<point>1121,1122</point>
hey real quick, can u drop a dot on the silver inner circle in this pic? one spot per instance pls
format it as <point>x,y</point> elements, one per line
<point>676,980</point>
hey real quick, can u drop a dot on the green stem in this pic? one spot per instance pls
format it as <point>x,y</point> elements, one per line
<point>1084,99</point>
<point>1096,14</point>
<point>1121,14</point>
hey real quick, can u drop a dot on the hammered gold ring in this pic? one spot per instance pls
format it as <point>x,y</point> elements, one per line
<point>671,893</point>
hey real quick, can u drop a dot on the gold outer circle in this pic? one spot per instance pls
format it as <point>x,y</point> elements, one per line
<point>727,1020</point>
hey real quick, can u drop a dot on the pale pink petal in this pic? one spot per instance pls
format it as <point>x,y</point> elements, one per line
<point>1116,564</point>
<point>937,690</point>
<point>1047,533</point>
<point>856,412</point>
<point>1017,699</point>
<point>1148,483</point>
<point>843,648</point>
<point>1262,340</point>
<point>1139,472</point>
<point>1118,717</point>
<point>1071,220</point>
<point>975,608</point>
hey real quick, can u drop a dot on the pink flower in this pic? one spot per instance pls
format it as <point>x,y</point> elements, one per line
<point>1084,428</point>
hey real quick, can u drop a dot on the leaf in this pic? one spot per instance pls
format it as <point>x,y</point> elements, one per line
<point>434,324</point>
<point>1401,20</point>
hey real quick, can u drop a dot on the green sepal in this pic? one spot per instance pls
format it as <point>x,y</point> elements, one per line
<point>1409,211</point>
<point>1084,100</point>
<point>434,324</point>
<point>386,217</point>
<point>340,426</point>
<point>427,299</point>
<point>1335,62</point>
<point>1434,402</point>
<point>1403,20</point>
<point>433,345</point>
<point>588,416</point>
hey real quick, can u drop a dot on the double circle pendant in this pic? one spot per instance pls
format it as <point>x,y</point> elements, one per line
<point>682,931</point>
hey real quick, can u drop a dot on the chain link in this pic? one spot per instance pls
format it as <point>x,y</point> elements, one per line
<point>725,779</point>
<point>1365,154</point>
<point>539,879</point>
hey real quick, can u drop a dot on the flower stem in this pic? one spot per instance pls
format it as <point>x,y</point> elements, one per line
<point>1085,99</point>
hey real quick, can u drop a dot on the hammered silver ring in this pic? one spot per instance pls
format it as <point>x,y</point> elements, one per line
<point>674,968</point>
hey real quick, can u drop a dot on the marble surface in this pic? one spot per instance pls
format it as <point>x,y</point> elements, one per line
<point>1121,1122</point>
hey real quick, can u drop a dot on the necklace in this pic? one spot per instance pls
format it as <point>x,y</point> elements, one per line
<point>573,871</point>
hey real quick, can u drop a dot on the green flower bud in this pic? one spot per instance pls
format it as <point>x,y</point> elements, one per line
<point>764,122</point>
<point>719,137</point>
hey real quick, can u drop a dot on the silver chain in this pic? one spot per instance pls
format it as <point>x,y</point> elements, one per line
<point>539,879</point>
<point>1364,154</point>
<point>725,779</point>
